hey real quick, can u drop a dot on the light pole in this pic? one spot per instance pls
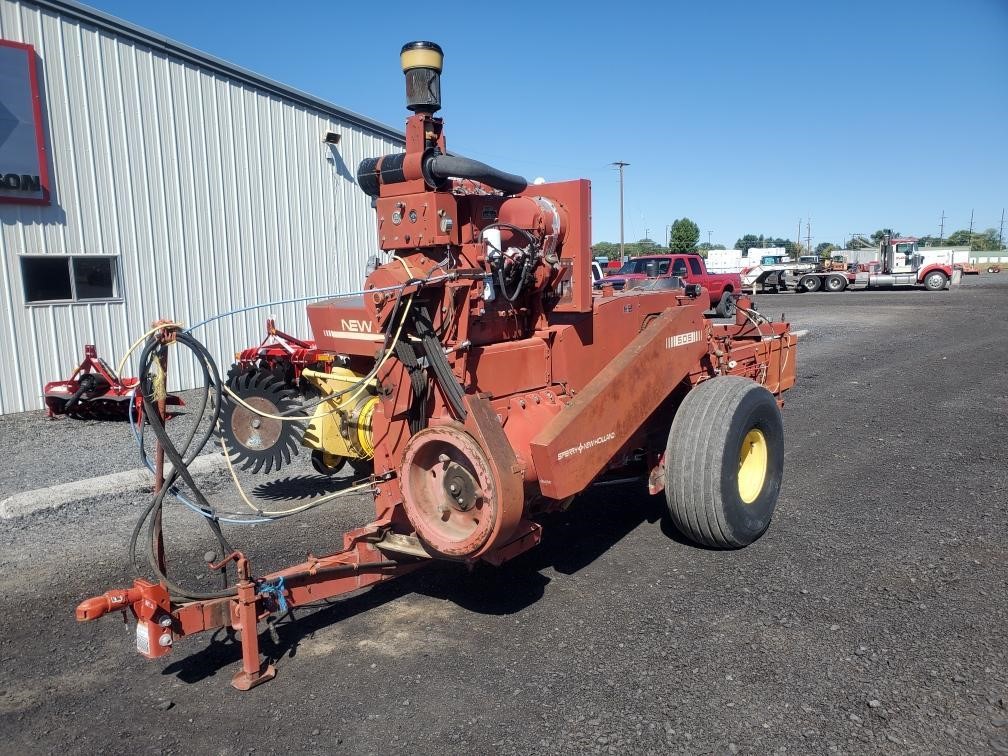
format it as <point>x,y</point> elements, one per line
<point>620,165</point>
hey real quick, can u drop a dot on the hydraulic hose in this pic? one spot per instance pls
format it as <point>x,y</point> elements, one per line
<point>450,166</point>
<point>180,459</point>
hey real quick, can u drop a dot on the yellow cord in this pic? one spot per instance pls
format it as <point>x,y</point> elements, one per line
<point>287,418</point>
<point>283,512</point>
<point>141,340</point>
<point>337,494</point>
<point>343,403</point>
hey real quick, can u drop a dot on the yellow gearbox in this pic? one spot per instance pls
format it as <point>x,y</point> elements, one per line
<point>340,429</point>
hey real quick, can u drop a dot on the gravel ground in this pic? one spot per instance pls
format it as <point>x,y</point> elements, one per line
<point>84,448</point>
<point>870,618</point>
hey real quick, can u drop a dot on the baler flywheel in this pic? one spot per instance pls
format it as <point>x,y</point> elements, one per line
<point>254,441</point>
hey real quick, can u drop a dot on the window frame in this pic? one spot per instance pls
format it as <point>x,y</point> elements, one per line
<point>117,295</point>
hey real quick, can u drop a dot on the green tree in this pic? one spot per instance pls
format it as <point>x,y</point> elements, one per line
<point>646,247</point>
<point>977,241</point>
<point>749,240</point>
<point>607,249</point>
<point>792,248</point>
<point>825,249</point>
<point>959,238</point>
<point>987,241</point>
<point>685,235</point>
<point>752,240</point>
<point>877,236</point>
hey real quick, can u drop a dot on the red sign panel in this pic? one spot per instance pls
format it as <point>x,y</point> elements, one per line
<point>24,175</point>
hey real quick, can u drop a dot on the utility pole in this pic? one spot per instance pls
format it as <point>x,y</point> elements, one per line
<point>941,229</point>
<point>711,232</point>
<point>668,236</point>
<point>620,165</point>
<point>808,236</point>
<point>1001,232</point>
<point>798,238</point>
<point>971,228</point>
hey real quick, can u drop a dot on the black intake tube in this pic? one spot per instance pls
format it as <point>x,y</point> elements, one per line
<point>448,166</point>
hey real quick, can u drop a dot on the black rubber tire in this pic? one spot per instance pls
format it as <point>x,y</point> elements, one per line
<point>836,283</point>
<point>726,306</point>
<point>935,281</point>
<point>702,461</point>
<point>347,468</point>
<point>809,283</point>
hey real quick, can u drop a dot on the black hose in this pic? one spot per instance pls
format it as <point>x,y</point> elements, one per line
<point>450,166</point>
<point>179,461</point>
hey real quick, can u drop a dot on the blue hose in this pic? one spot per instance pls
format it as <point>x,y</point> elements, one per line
<point>177,494</point>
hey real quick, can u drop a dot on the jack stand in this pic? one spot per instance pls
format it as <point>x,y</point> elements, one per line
<point>245,620</point>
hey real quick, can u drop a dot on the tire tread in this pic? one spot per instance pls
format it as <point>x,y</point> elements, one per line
<point>693,460</point>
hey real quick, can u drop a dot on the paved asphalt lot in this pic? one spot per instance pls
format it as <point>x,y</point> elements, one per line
<point>871,617</point>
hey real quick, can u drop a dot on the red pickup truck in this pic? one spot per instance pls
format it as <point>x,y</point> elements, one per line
<point>690,268</point>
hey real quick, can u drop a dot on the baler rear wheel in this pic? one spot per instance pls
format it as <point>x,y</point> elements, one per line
<point>724,462</point>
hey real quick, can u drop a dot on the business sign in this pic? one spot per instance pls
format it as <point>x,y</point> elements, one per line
<point>24,177</point>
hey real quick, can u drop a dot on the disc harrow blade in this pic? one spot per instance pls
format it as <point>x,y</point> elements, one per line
<point>256,439</point>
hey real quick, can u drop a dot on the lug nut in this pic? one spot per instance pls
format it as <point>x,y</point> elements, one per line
<point>165,640</point>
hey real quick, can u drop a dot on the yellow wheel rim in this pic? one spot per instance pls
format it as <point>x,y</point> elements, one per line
<point>752,465</point>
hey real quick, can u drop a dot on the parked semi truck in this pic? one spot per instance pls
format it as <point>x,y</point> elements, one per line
<point>900,263</point>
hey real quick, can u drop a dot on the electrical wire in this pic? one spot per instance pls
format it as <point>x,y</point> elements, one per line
<point>359,386</point>
<point>181,457</point>
<point>264,305</point>
<point>136,344</point>
<point>178,495</point>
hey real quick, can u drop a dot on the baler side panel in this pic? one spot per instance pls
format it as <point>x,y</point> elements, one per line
<point>580,441</point>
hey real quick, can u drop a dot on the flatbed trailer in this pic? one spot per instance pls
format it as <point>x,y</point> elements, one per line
<point>796,276</point>
<point>901,263</point>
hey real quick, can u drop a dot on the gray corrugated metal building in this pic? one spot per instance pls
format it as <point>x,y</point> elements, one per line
<point>178,185</point>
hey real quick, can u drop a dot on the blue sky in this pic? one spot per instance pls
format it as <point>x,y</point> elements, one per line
<point>744,116</point>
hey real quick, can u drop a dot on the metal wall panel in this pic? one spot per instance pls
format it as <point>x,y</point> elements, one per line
<point>215,193</point>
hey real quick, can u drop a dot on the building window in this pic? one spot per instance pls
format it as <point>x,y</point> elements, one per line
<point>52,278</point>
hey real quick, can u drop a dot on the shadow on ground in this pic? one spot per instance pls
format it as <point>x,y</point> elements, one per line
<point>572,540</point>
